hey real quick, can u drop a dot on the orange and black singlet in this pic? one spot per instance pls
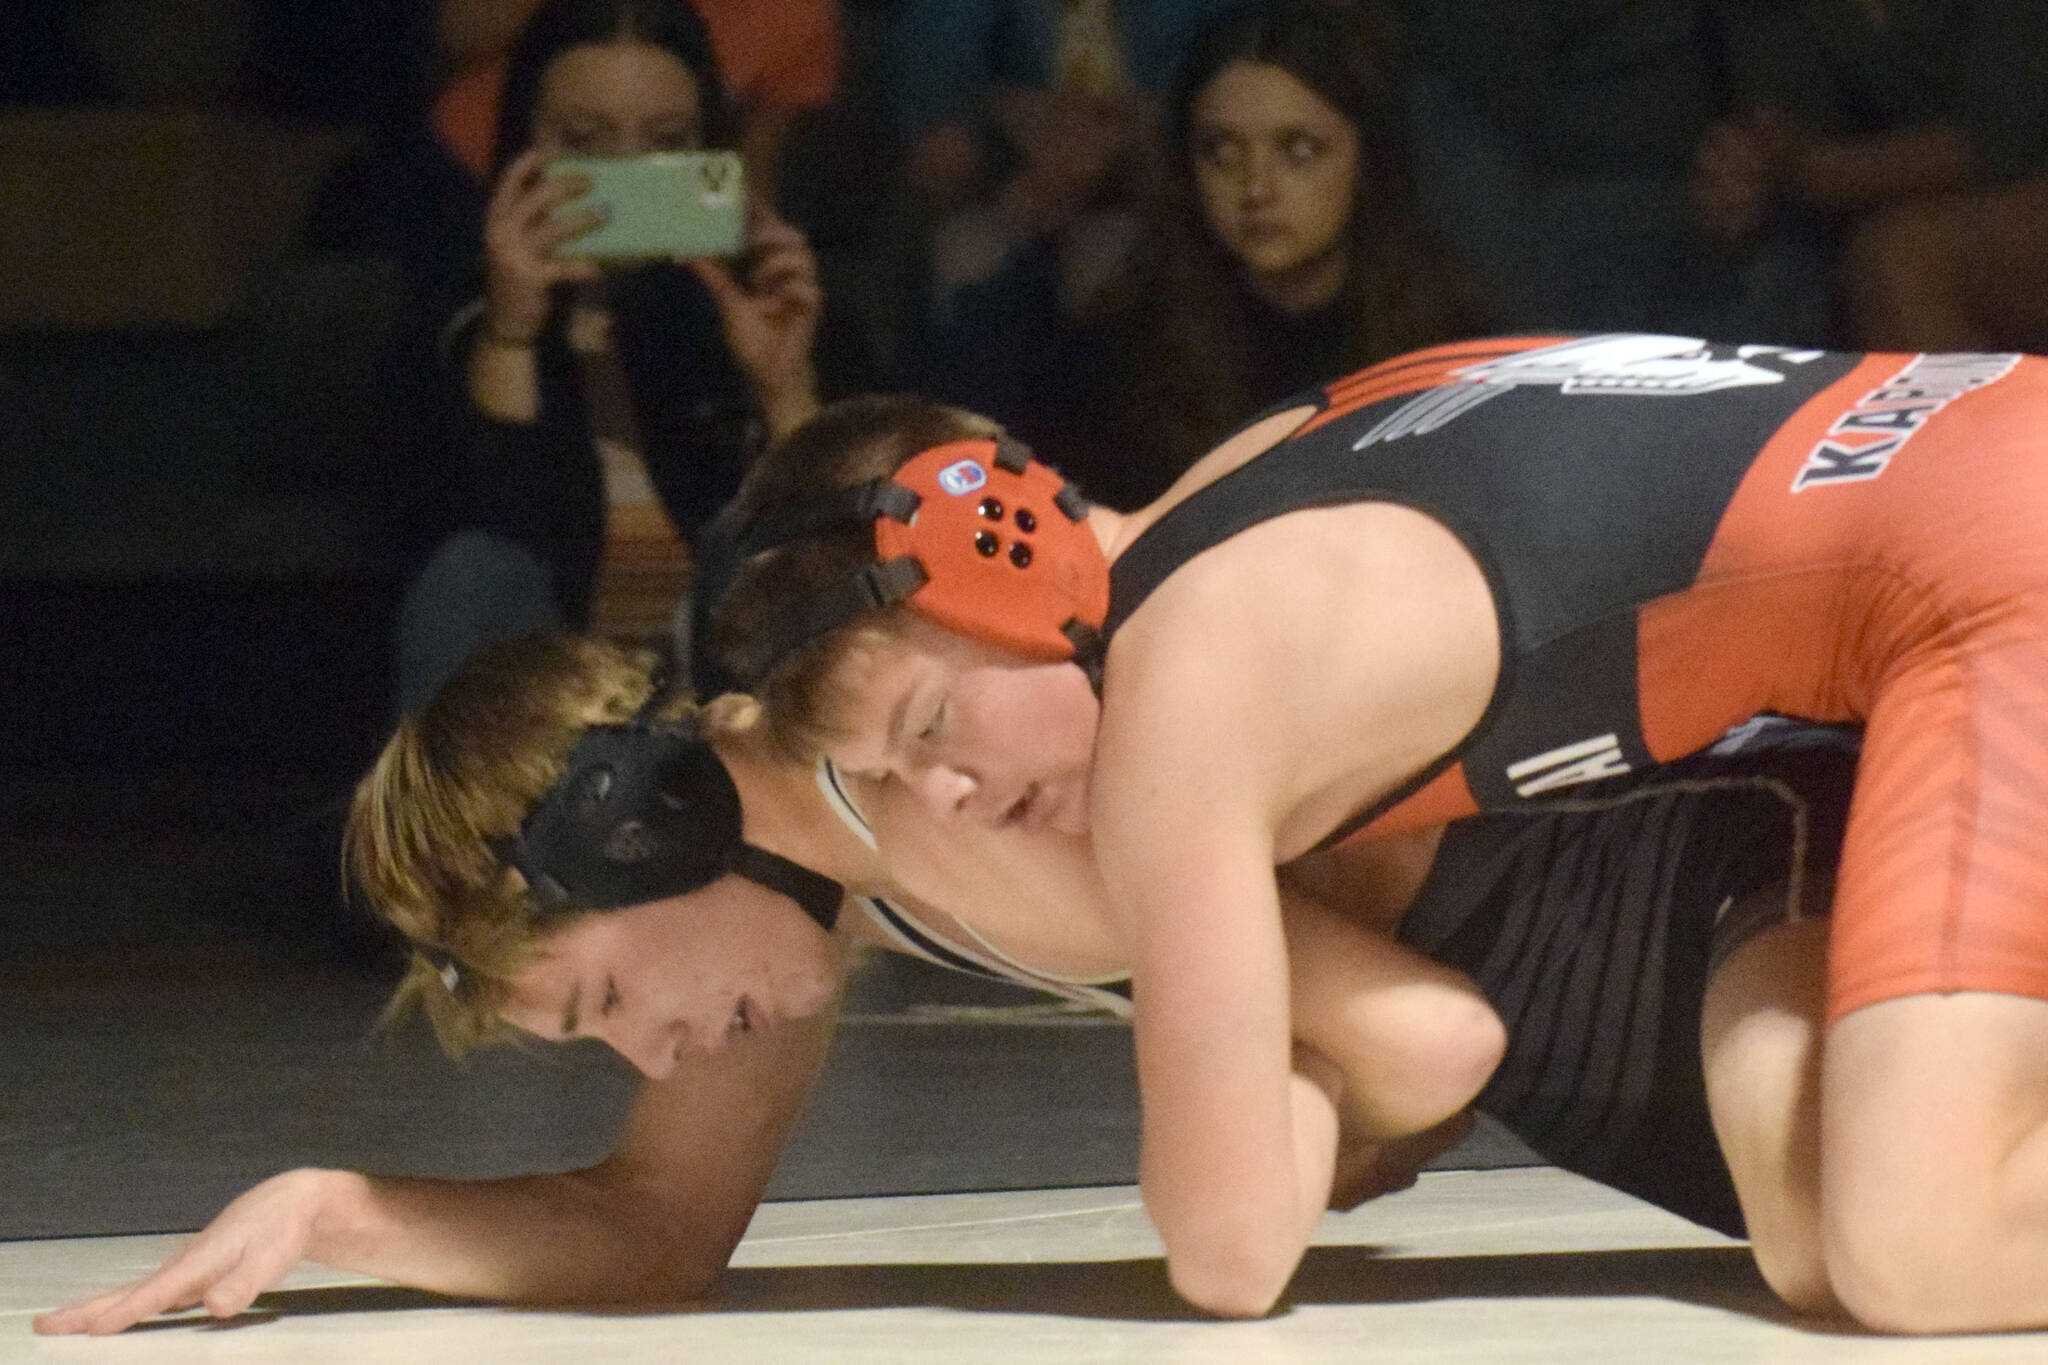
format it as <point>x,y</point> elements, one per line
<point>1679,535</point>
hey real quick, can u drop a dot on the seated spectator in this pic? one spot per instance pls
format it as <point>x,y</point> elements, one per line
<point>779,58</point>
<point>1287,247</point>
<point>1917,127</point>
<point>605,412</point>
<point>1028,128</point>
<point>1283,247</point>
<point>1554,142</point>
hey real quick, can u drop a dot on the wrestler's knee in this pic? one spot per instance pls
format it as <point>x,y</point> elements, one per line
<point>1933,1179</point>
<point>1905,1274</point>
<point>1796,1272</point>
<point>1761,1040</point>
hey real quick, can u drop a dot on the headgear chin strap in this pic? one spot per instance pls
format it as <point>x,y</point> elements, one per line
<point>975,535</point>
<point>642,812</point>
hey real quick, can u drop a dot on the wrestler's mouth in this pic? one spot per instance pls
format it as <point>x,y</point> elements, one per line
<point>1023,811</point>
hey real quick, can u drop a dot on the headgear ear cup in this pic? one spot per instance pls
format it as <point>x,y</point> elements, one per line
<point>1006,550</point>
<point>644,811</point>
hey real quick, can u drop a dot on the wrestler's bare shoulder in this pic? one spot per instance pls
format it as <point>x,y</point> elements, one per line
<point>1317,660</point>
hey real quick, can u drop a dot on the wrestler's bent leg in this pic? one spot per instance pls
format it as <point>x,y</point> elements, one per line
<point>1934,1079</point>
<point>1934,1177</point>
<point>1760,1036</point>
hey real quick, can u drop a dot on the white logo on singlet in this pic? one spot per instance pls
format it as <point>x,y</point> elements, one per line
<point>1589,760</point>
<point>1627,364</point>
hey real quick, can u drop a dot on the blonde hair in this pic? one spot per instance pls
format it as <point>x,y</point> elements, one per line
<point>848,444</point>
<point>454,778</point>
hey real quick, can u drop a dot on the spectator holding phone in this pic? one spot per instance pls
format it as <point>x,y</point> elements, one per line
<point>607,407</point>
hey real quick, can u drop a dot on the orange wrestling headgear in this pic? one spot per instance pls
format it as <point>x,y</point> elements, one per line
<point>975,535</point>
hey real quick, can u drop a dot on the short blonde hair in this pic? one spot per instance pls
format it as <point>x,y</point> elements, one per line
<point>458,776</point>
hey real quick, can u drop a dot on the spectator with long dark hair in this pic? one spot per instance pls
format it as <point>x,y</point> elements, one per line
<point>605,411</point>
<point>1282,242</point>
<point>1289,245</point>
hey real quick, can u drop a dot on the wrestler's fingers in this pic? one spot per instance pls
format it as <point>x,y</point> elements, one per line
<point>163,1292</point>
<point>73,1317</point>
<point>176,1285</point>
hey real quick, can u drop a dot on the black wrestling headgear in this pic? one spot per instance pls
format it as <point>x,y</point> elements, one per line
<point>644,811</point>
<point>976,535</point>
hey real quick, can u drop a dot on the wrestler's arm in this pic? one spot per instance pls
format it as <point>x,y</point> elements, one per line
<point>1414,1040</point>
<point>1239,1127</point>
<point>1346,648</point>
<point>653,1222</point>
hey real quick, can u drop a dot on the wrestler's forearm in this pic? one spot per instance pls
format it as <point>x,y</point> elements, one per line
<point>576,1237</point>
<point>654,1222</point>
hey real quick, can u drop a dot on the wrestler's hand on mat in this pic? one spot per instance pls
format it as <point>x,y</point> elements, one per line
<point>253,1243</point>
<point>1368,1168</point>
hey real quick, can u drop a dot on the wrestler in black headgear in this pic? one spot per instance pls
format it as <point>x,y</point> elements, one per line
<point>644,811</point>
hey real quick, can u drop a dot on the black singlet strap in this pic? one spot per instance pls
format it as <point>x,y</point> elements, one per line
<point>818,895</point>
<point>1213,514</point>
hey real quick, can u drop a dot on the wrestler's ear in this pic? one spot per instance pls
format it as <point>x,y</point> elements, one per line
<point>734,713</point>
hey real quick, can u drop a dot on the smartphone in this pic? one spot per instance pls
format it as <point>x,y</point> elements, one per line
<point>660,205</point>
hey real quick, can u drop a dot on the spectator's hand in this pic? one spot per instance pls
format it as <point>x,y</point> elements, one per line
<point>521,232</point>
<point>254,1243</point>
<point>769,311</point>
<point>1743,165</point>
<point>1731,180</point>
<point>1790,150</point>
<point>1070,145</point>
<point>945,164</point>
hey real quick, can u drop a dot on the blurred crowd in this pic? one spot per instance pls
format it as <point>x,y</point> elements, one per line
<point>1118,226</point>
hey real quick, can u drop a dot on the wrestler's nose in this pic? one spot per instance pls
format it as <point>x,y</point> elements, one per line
<point>942,789</point>
<point>650,1048</point>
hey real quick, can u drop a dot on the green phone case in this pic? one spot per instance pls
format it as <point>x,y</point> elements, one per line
<point>663,204</point>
